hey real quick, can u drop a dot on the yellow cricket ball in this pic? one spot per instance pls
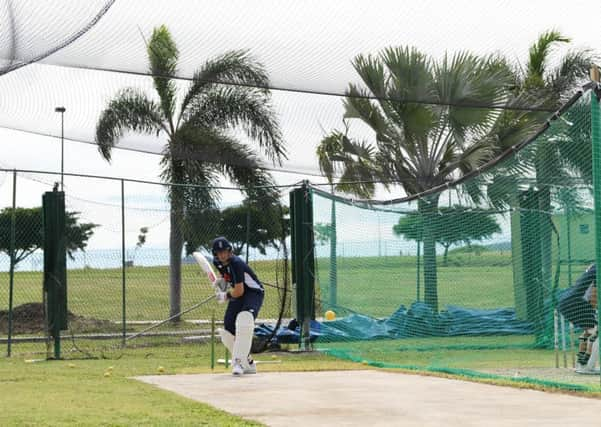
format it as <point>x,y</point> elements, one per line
<point>71,365</point>
<point>160,369</point>
<point>107,374</point>
<point>330,315</point>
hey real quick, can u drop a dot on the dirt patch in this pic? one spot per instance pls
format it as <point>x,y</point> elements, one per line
<point>29,319</point>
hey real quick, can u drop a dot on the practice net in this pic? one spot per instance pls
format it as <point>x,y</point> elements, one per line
<point>469,278</point>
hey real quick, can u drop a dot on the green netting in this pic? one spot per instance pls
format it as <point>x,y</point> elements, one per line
<point>469,277</point>
<point>119,286</point>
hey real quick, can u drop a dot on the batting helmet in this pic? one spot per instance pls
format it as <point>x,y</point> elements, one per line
<point>220,244</point>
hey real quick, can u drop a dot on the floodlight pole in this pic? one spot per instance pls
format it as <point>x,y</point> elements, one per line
<point>62,111</point>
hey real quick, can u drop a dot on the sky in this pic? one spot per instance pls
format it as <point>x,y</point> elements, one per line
<point>305,46</point>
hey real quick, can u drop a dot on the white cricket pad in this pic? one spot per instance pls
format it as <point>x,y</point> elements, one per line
<point>245,327</point>
<point>227,339</point>
<point>592,361</point>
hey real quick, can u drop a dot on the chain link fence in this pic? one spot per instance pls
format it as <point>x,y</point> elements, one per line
<point>120,283</point>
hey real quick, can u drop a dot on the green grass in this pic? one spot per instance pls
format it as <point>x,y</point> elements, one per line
<point>372,285</point>
<point>52,393</point>
<point>76,392</point>
<point>98,292</point>
<point>377,286</point>
<point>453,352</point>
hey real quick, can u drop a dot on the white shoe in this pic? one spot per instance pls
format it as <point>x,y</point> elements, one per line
<point>250,367</point>
<point>587,371</point>
<point>237,368</point>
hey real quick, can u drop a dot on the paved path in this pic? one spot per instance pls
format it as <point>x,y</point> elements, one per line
<point>375,398</point>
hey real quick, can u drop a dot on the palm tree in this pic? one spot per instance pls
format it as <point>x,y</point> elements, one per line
<point>431,122</point>
<point>201,146</point>
<point>553,163</point>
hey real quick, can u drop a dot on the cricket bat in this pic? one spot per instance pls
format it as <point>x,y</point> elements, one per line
<point>206,266</point>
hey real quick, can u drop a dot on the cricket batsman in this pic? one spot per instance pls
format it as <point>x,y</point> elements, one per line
<point>578,304</point>
<point>244,293</point>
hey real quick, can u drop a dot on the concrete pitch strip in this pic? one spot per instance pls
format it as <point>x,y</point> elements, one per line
<point>377,398</point>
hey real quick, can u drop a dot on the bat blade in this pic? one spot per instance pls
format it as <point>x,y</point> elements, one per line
<point>205,265</point>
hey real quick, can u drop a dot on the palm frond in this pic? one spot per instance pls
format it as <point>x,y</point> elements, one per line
<point>329,151</point>
<point>130,110</point>
<point>245,108</point>
<point>210,146</point>
<point>235,67</point>
<point>538,55</point>
<point>571,72</point>
<point>162,56</point>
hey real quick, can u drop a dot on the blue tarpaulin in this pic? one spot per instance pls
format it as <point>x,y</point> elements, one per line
<point>418,321</point>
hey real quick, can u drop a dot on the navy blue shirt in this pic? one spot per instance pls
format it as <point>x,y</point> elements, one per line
<point>582,284</point>
<point>237,271</point>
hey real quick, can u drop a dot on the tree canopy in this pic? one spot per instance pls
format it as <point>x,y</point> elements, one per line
<point>29,233</point>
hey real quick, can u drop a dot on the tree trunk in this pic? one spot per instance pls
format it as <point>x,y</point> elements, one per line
<point>176,244</point>
<point>427,208</point>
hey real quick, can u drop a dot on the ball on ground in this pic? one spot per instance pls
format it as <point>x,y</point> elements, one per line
<point>330,315</point>
<point>160,369</point>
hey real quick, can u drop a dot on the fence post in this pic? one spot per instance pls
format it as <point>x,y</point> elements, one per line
<point>13,232</point>
<point>333,294</point>
<point>55,264</point>
<point>596,142</point>
<point>247,228</point>
<point>303,259</point>
<point>123,262</point>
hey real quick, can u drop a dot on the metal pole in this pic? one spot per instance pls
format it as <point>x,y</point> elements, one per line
<point>62,151</point>
<point>556,337</point>
<point>418,268</point>
<point>13,229</point>
<point>62,111</point>
<point>333,292</point>
<point>213,340</point>
<point>123,320</point>
<point>569,238</point>
<point>596,142</point>
<point>562,321</point>
<point>247,229</point>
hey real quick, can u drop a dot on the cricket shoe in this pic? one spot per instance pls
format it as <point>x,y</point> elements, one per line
<point>237,368</point>
<point>588,371</point>
<point>250,367</point>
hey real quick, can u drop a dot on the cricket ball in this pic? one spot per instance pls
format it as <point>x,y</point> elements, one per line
<point>330,315</point>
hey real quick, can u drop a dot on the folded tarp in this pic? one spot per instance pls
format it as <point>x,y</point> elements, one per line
<point>418,321</point>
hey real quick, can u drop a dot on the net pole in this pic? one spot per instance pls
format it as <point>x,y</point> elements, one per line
<point>596,142</point>
<point>562,320</point>
<point>213,340</point>
<point>417,274</point>
<point>13,229</point>
<point>555,337</point>
<point>123,263</point>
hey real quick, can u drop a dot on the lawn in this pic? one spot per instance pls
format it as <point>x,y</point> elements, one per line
<point>77,392</point>
<point>53,393</point>
<point>81,392</point>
